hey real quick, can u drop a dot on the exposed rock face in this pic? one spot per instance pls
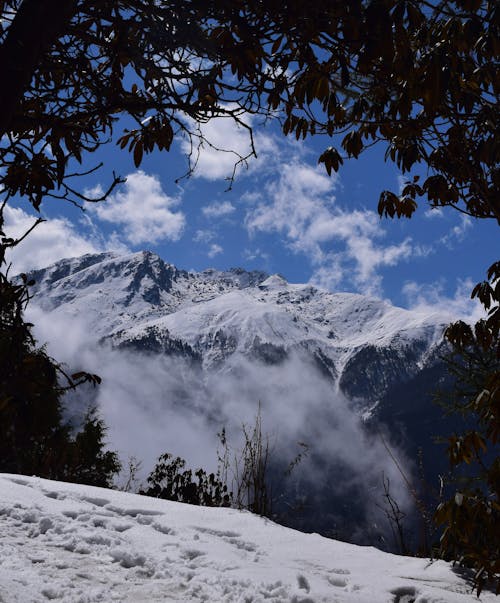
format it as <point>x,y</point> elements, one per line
<point>364,345</point>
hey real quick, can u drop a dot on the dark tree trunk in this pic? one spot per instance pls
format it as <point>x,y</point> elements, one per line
<point>37,24</point>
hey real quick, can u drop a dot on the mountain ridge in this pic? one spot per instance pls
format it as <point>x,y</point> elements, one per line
<point>127,298</point>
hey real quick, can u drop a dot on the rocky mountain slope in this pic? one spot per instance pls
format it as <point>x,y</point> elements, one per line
<point>138,301</point>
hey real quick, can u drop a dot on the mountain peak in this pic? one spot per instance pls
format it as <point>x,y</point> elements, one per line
<point>121,292</point>
<point>273,282</point>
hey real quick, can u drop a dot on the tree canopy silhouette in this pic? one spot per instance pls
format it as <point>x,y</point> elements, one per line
<point>471,516</point>
<point>419,78</point>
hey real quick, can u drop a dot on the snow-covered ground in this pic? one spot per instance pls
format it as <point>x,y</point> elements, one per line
<point>76,543</point>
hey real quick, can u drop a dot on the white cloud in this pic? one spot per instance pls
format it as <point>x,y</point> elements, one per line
<point>49,242</point>
<point>402,180</point>
<point>344,246</point>
<point>297,200</point>
<point>254,254</point>
<point>143,211</point>
<point>432,298</point>
<point>251,197</point>
<point>207,236</point>
<point>225,144</point>
<point>214,250</point>
<point>434,212</point>
<point>203,236</point>
<point>328,276</point>
<point>457,233</point>
<point>218,209</point>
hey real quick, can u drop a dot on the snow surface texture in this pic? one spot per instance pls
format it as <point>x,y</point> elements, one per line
<point>80,544</point>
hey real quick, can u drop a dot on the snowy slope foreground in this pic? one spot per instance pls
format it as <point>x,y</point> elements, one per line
<point>80,544</point>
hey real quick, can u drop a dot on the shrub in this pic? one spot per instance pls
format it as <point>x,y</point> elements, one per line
<point>171,481</point>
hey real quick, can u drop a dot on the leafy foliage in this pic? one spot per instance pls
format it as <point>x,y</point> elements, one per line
<point>420,77</point>
<point>471,516</point>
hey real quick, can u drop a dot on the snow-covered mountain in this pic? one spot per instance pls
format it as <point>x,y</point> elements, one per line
<point>182,353</point>
<point>139,301</point>
<point>80,544</point>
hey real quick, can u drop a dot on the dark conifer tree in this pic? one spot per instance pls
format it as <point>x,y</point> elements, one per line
<point>34,438</point>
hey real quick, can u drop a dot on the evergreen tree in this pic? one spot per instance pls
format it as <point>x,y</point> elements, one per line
<point>89,463</point>
<point>34,438</point>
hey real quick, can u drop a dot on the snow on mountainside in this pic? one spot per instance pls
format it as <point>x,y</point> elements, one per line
<point>139,300</point>
<point>81,544</point>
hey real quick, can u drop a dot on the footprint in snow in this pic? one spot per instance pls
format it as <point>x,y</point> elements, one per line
<point>338,577</point>
<point>164,529</point>
<point>404,594</point>
<point>219,533</point>
<point>99,522</point>
<point>126,559</point>
<point>121,527</point>
<point>45,524</point>
<point>191,554</point>
<point>20,482</point>
<point>131,512</point>
<point>233,538</point>
<point>303,583</point>
<point>55,495</point>
<point>94,500</point>
<point>337,581</point>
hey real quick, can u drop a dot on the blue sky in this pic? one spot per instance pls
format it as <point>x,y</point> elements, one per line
<point>283,214</point>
